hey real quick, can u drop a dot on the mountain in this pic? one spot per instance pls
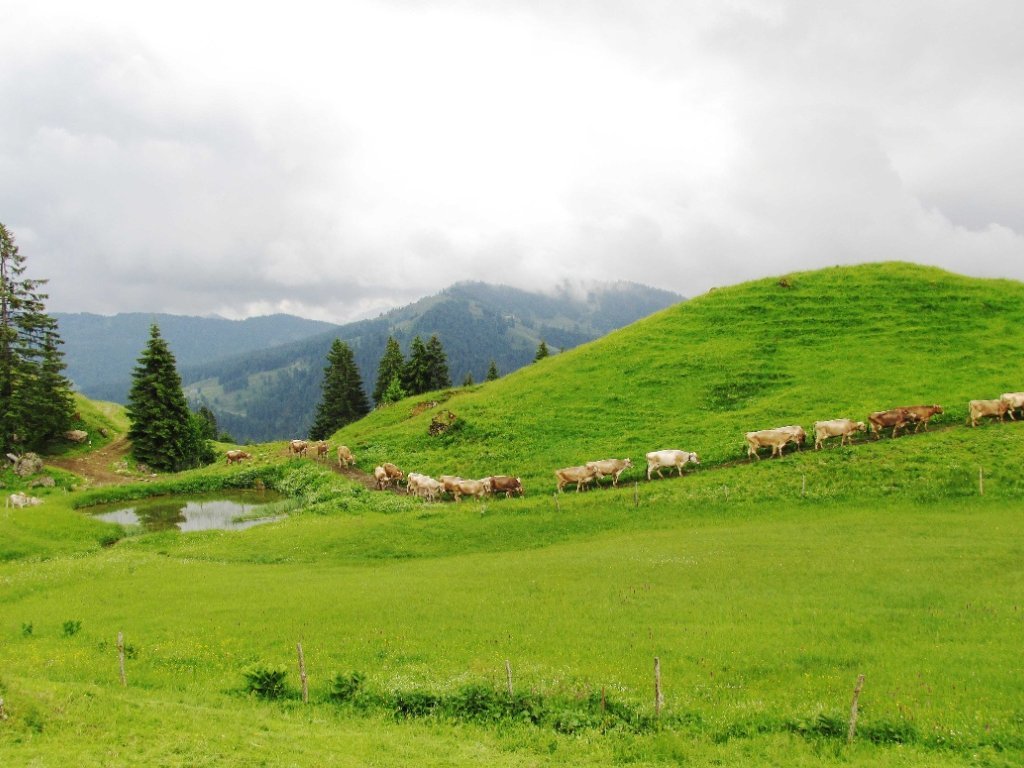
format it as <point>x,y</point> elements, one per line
<point>101,351</point>
<point>834,343</point>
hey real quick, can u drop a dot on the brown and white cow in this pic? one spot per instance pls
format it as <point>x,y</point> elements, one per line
<point>1014,402</point>
<point>448,483</point>
<point>894,417</point>
<point>391,473</point>
<point>321,450</point>
<point>658,460</point>
<point>474,488</point>
<point>775,439</point>
<point>922,414</point>
<point>582,476</point>
<point>345,456</point>
<point>510,486</point>
<point>613,467</point>
<point>236,456</point>
<point>841,428</point>
<point>383,481</point>
<point>982,408</point>
<point>298,447</point>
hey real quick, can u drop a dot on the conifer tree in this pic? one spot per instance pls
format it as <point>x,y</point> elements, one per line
<point>343,400</point>
<point>36,405</point>
<point>390,366</point>
<point>542,351</point>
<point>492,371</point>
<point>394,392</point>
<point>416,373</point>
<point>467,381</point>
<point>164,434</point>
<point>438,376</point>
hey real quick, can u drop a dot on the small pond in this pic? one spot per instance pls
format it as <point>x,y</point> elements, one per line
<point>225,511</point>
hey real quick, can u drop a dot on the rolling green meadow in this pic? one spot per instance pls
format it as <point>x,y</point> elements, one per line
<point>763,588</point>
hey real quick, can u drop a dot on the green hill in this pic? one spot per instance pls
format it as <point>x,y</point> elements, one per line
<point>833,343</point>
<point>763,589</point>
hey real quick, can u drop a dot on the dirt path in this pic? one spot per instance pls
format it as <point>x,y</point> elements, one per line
<point>98,467</point>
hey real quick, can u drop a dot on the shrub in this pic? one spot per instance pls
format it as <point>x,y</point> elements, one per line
<point>344,687</point>
<point>414,703</point>
<point>72,627</point>
<point>265,681</point>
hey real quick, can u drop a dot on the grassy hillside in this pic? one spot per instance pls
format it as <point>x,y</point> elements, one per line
<point>763,589</point>
<point>834,343</point>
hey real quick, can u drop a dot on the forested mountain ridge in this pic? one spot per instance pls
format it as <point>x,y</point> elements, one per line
<point>101,350</point>
<point>272,393</point>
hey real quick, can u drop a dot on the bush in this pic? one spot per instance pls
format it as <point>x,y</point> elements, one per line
<point>72,627</point>
<point>345,687</point>
<point>414,703</point>
<point>265,681</point>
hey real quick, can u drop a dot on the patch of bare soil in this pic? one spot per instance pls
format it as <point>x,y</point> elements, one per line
<point>99,467</point>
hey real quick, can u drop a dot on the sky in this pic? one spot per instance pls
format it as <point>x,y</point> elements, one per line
<point>334,160</point>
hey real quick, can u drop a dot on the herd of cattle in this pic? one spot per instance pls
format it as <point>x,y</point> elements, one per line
<point>388,475</point>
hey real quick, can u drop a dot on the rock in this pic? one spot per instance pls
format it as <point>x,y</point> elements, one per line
<point>77,435</point>
<point>27,465</point>
<point>43,482</point>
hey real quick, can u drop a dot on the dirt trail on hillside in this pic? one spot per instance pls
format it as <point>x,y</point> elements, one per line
<point>99,466</point>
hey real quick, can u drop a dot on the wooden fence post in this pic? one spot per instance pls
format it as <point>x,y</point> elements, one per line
<point>853,709</point>
<point>120,658</point>
<point>659,700</point>
<point>508,674</point>
<point>302,674</point>
<point>981,481</point>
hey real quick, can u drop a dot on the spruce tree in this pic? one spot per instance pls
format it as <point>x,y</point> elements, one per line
<point>36,405</point>
<point>542,351</point>
<point>437,366</point>
<point>394,392</point>
<point>343,400</point>
<point>492,371</point>
<point>164,434</point>
<point>390,366</point>
<point>416,373</point>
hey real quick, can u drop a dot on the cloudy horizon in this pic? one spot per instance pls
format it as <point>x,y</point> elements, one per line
<point>337,162</point>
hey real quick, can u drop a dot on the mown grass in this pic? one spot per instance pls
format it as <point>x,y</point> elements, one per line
<point>764,588</point>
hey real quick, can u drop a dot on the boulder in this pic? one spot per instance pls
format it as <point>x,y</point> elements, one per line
<point>77,435</point>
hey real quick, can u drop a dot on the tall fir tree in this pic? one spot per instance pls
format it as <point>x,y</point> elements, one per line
<point>542,351</point>
<point>416,373</point>
<point>36,405</point>
<point>164,434</point>
<point>390,367</point>
<point>492,371</point>
<point>438,376</point>
<point>343,400</point>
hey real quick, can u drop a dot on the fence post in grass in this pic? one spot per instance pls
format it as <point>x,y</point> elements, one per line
<point>3,712</point>
<point>302,674</point>
<point>558,508</point>
<point>508,674</point>
<point>981,481</point>
<point>853,709</point>
<point>120,658</point>
<point>659,700</point>
<point>636,495</point>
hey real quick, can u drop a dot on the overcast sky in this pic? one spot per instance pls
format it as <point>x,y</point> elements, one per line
<point>332,160</point>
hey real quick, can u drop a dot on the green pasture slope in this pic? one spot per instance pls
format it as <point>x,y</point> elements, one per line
<point>764,588</point>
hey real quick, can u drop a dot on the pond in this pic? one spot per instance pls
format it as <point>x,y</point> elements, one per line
<point>225,511</point>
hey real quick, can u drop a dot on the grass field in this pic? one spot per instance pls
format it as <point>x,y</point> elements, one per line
<point>764,589</point>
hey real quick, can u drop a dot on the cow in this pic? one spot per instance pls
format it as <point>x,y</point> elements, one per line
<point>894,417</point>
<point>423,485</point>
<point>505,484</point>
<point>345,456</point>
<point>475,488</point>
<point>21,500</point>
<point>775,439</point>
<point>579,475</point>
<point>383,481</point>
<point>981,408</point>
<point>799,436</point>
<point>656,460</point>
<point>1014,401</point>
<point>298,447</point>
<point>922,414</point>
<point>236,456</point>
<point>448,483</point>
<point>387,474</point>
<point>613,467</point>
<point>841,428</point>
<point>321,450</point>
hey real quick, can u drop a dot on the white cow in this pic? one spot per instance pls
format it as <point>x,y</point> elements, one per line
<point>613,467</point>
<point>841,428</point>
<point>657,460</point>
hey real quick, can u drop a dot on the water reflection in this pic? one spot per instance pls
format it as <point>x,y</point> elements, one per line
<point>165,514</point>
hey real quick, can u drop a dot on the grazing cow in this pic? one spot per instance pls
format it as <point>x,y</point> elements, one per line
<point>656,460</point>
<point>391,473</point>
<point>1014,401</point>
<point>298,447</point>
<point>775,439</point>
<point>383,481</point>
<point>505,484</point>
<point>613,467</point>
<point>922,414</point>
<point>321,450</point>
<point>842,428</point>
<point>236,456</point>
<point>345,456</point>
<point>475,488</point>
<point>579,475</point>
<point>894,417</point>
<point>448,483</point>
<point>981,408</point>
